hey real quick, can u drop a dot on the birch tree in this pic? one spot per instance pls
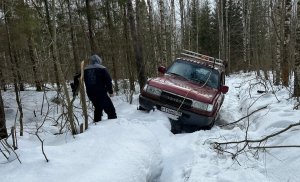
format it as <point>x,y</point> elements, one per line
<point>287,34</point>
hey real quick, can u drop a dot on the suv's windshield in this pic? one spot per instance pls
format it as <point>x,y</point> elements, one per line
<point>195,72</point>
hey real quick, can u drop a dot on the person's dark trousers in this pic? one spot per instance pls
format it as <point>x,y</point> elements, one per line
<point>103,103</point>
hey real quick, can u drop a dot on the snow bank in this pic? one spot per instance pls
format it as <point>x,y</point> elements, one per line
<point>124,149</point>
<point>139,146</point>
<point>279,164</point>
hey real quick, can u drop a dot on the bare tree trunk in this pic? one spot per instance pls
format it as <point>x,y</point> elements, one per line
<point>138,49</point>
<point>48,19</point>
<point>17,66</point>
<point>173,30</point>
<point>13,68</point>
<point>279,41</point>
<point>2,78</point>
<point>194,26</point>
<point>152,35</point>
<point>227,43</point>
<point>60,73</point>
<point>246,27</point>
<point>128,50</point>
<point>249,9</point>
<point>188,27</point>
<point>3,130</point>
<point>113,51</point>
<point>90,27</point>
<point>221,29</point>
<point>163,31</point>
<point>36,74</point>
<point>286,49</point>
<point>297,56</point>
<point>72,33</point>
<point>182,29</point>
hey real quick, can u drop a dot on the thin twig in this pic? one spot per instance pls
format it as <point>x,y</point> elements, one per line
<point>277,146</point>
<point>262,139</point>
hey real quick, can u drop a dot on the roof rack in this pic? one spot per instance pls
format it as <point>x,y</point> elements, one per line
<point>202,57</point>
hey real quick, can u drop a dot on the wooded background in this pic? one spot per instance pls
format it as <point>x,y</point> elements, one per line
<point>44,41</point>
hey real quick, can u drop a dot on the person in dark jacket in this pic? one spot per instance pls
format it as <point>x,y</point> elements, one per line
<point>98,84</point>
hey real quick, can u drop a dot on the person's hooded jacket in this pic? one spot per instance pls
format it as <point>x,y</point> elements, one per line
<point>97,79</point>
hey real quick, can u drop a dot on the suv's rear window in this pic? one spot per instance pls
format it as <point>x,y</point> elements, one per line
<point>195,73</point>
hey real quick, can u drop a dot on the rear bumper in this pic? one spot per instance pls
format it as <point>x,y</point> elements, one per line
<point>187,118</point>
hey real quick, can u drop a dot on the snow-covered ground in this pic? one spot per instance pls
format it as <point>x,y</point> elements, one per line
<point>139,146</point>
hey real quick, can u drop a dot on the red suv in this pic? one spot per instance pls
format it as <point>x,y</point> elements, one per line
<point>190,91</point>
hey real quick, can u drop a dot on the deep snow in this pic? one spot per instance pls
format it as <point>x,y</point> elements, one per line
<point>139,146</point>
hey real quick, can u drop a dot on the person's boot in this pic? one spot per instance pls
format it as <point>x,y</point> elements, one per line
<point>97,117</point>
<point>113,116</point>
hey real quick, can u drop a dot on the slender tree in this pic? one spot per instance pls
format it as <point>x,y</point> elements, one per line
<point>13,66</point>
<point>297,55</point>
<point>112,42</point>
<point>221,29</point>
<point>128,50</point>
<point>3,130</point>
<point>138,49</point>
<point>173,30</point>
<point>153,39</point>
<point>163,32</point>
<point>246,32</point>
<point>286,48</point>
<point>73,44</point>
<point>194,39</point>
<point>279,31</point>
<point>182,29</point>
<point>89,16</point>
<point>50,29</point>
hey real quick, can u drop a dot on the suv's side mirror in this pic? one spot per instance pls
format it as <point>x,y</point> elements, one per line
<point>224,89</point>
<point>162,69</point>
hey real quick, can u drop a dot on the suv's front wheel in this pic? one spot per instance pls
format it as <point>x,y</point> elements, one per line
<point>175,127</point>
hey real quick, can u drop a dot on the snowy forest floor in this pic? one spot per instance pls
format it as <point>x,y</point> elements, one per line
<point>139,146</point>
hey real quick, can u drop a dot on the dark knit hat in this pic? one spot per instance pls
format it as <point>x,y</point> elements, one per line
<point>95,59</point>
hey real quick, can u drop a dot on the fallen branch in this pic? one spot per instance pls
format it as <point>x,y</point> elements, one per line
<point>244,116</point>
<point>246,143</point>
<point>296,107</point>
<point>12,149</point>
<point>277,146</point>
